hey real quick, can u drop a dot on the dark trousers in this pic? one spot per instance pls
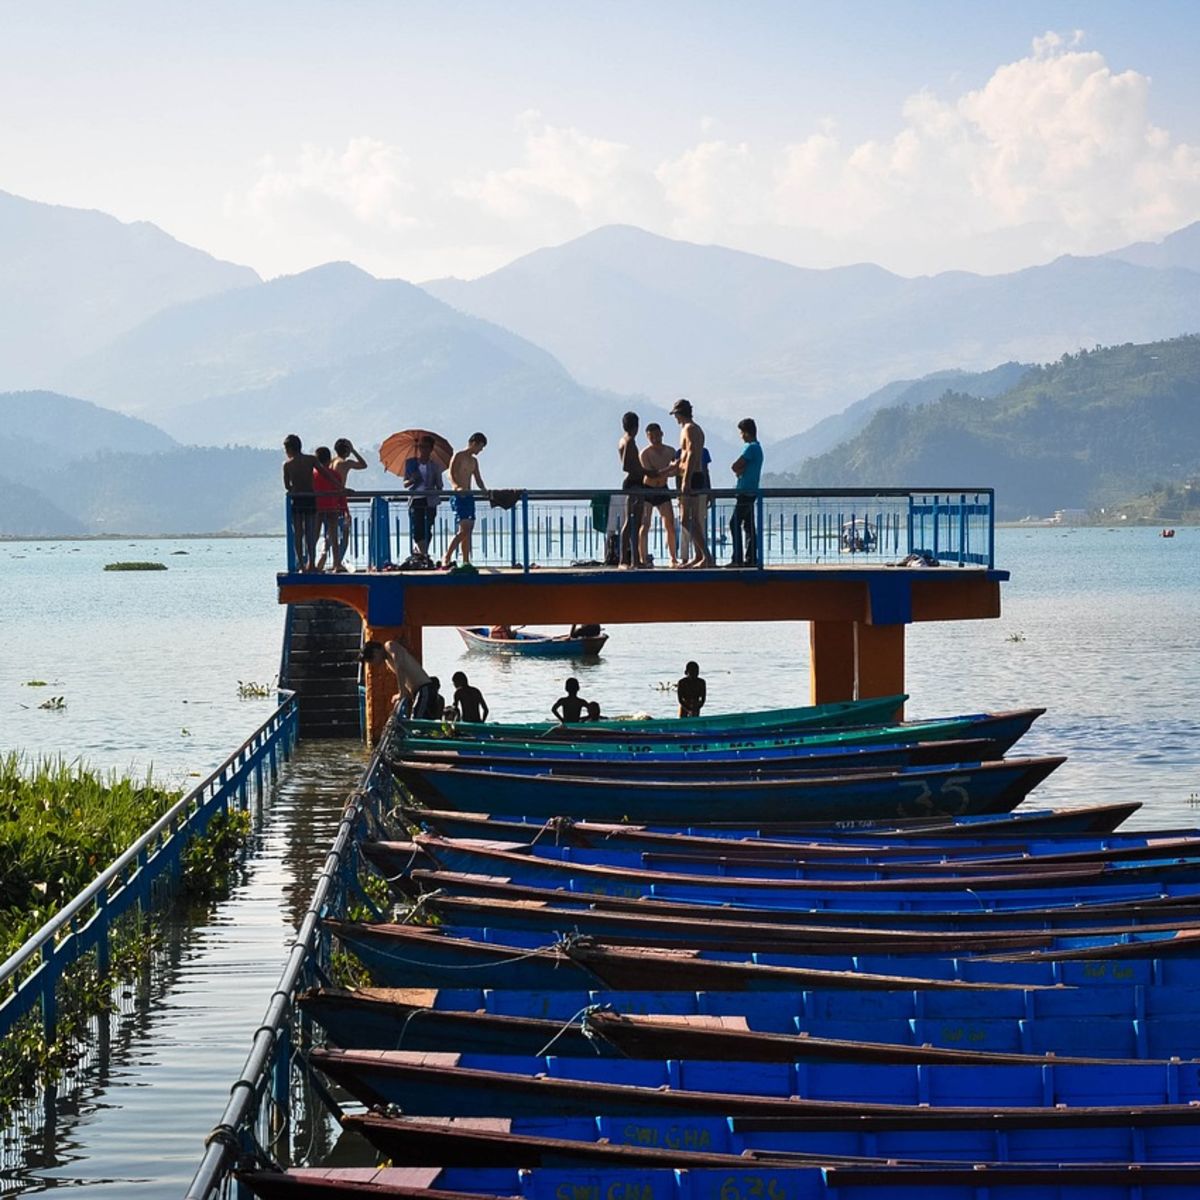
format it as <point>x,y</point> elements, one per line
<point>631,526</point>
<point>742,523</point>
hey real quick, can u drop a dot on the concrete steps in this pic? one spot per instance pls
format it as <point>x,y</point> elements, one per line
<point>324,640</point>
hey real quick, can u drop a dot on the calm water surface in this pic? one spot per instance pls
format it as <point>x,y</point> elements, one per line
<point>1098,626</point>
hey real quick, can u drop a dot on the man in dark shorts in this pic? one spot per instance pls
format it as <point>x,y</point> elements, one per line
<point>572,707</point>
<point>692,691</point>
<point>633,486</point>
<point>748,469</point>
<point>298,483</point>
<point>658,461</point>
<point>468,701</point>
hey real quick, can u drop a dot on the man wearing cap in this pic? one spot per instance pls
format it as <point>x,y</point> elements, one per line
<point>693,482</point>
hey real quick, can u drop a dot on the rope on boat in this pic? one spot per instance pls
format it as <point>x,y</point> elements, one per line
<point>416,909</point>
<point>588,1032</point>
<point>538,952</point>
<point>559,825</point>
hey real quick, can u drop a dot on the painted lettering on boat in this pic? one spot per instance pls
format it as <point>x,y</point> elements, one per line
<point>614,1191</point>
<point>752,1187</point>
<point>674,1137</point>
<point>952,798</point>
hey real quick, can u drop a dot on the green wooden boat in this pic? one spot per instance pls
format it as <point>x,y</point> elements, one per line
<point>1003,728</point>
<point>840,715</point>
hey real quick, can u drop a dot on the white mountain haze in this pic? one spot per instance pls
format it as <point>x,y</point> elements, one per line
<point>72,280</point>
<point>743,335</point>
<point>543,355</point>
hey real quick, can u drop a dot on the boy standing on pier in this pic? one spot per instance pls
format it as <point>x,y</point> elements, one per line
<point>298,483</point>
<point>464,470</point>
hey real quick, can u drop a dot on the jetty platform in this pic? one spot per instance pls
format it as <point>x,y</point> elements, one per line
<point>857,565</point>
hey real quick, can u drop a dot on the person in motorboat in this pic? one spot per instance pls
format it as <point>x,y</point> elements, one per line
<point>502,633</point>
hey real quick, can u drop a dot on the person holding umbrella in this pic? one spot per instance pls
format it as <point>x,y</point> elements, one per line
<point>423,478</point>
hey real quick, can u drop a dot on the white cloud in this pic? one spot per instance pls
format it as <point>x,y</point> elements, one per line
<point>1055,153</point>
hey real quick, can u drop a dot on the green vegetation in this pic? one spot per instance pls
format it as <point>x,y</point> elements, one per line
<point>60,826</point>
<point>1088,431</point>
<point>253,691</point>
<point>135,566</point>
<point>35,683</point>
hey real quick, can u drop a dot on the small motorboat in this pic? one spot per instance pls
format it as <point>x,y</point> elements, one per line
<point>535,645</point>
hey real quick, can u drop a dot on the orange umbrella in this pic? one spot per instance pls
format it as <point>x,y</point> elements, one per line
<point>400,447</point>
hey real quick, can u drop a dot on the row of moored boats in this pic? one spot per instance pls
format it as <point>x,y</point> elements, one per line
<point>806,954</point>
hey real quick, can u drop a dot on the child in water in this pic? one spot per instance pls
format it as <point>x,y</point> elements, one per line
<point>692,691</point>
<point>570,708</point>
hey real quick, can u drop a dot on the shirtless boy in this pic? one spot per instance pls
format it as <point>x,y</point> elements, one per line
<point>346,459</point>
<point>413,684</point>
<point>692,483</point>
<point>298,483</point>
<point>464,471</point>
<point>658,461</point>
<point>570,708</point>
<point>691,691</point>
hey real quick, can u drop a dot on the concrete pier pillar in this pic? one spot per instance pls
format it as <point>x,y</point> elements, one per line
<point>879,660</point>
<point>831,672</point>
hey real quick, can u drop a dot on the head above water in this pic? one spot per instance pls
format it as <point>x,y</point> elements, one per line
<point>593,708</point>
<point>572,686</point>
<point>629,422</point>
<point>291,443</point>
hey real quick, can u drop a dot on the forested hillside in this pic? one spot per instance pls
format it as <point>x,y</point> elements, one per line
<point>1090,430</point>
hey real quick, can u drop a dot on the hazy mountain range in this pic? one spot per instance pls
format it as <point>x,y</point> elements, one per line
<point>543,355</point>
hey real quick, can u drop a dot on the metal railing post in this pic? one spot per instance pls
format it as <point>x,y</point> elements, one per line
<point>290,534</point>
<point>525,529</point>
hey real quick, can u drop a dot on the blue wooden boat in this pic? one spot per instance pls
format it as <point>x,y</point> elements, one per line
<point>916,835</point>
<point>835,1181</point>
<point>528,644</point>
<point>735,1143</point>
<point>499,1085</point>
<point>1108,882</point>
<point>404,956</point>
<point>757,844</point>
<point>917,791</point>
<point>716,765</point>
<point>649,929</point>
<point>1145,906</point>
<point>1123,1021</point>
<point>399,1020</point>
<point>838,715</point>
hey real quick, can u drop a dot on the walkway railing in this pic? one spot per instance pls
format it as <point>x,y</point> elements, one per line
<point>259,1108</point>
<point>144,872</point>
<point>524,530</point>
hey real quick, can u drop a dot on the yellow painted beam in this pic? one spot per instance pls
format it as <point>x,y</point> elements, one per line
<point>831,668</point>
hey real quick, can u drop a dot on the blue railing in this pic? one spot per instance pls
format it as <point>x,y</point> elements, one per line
<point>523,530</point>
<point>149,868</point>
<point>259,1109</point>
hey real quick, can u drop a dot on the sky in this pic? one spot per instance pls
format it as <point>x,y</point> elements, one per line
<point>448,137</point>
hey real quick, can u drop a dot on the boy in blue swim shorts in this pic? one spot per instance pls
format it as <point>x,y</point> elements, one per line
<point>464,472</point>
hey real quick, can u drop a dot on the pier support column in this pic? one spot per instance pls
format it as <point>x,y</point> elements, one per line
<point>878,660</point>
<point>381,683</point>
<point>831,654</point>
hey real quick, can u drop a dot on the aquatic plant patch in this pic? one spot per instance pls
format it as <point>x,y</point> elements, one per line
<point>135,566</point>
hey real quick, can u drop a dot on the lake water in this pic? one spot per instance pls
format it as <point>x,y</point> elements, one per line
<point>1099,626</point>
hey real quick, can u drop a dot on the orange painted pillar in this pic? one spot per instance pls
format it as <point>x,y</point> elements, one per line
<point>380,680</point>
<point>879,660</point>
<point>831,655</point>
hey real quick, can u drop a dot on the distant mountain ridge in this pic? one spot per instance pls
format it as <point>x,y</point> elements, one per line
<point>789,453</point>
<point>1091,430</point>
<point>744,335</point>
<point>72,280</point>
